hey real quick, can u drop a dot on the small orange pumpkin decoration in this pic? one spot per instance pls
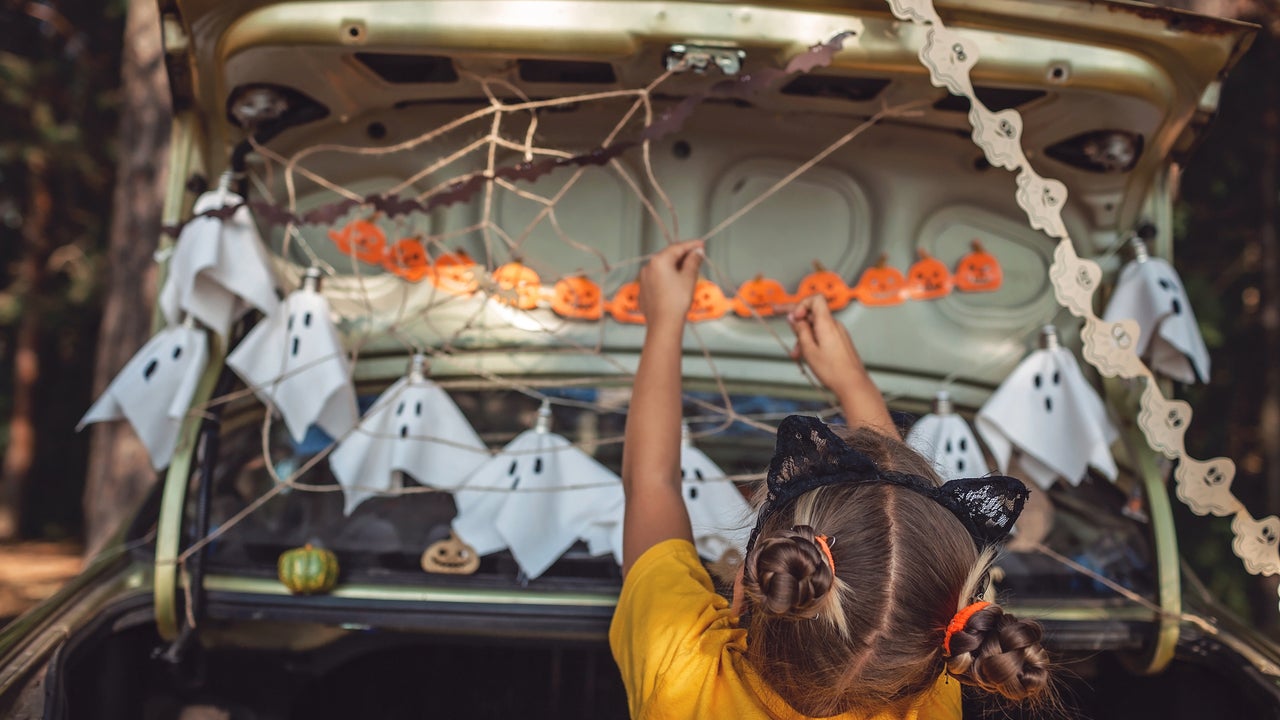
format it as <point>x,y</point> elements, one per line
<point>979,271</point>
<point>625,306</point>
<point>928,278</point>
<point>450,556</point>
<point>764,296</point>
<point>518,285</point>
<point>455,273</point>
<point>408,259</point>
<point>577,297</point>
<point>826,283</point>
<point>709,302</point>
<point>880,285</point>
<point>361,238</point>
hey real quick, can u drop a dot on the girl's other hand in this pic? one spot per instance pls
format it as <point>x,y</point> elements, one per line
<point>667,282</point>
<point>824,344</point>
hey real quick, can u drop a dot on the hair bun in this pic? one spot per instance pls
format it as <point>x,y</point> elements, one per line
<point>1001,654</point>
<point>788,574</point>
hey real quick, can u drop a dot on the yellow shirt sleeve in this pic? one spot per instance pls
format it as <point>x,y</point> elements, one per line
<point>667,605</point>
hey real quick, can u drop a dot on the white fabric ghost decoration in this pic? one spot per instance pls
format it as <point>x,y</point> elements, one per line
<point>537,496</point>
<point>944,438</point>
<point>219,268</point>
<point>414,429</point>
<point>721,517</point>
<point>294,362</point>
<point>1150,292</point>
<point>1052,416</point>
<point>154,390</point>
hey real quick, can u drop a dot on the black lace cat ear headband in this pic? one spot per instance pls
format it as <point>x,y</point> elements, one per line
<point>809,455</point>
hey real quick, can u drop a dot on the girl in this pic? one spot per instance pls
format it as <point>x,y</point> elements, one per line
<point>856,595</point>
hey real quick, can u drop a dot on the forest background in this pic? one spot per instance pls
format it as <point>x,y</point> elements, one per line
<point>84,123</point>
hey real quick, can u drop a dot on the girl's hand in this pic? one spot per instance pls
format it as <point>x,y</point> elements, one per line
<point>825,345</point>
<point>667,281</point>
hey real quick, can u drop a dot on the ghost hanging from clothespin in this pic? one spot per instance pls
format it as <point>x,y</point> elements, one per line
<point>721,517</point>
<point>154,390</point>
<point>219,267</point>
<point>944,438</point>
<point>413,429</point>
<point>1049,413</point>
<point>537,497</point>
<point>293,360</point>
<point>1150,292</point>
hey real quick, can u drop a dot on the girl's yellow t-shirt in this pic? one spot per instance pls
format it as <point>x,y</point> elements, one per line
<point>683,656</point>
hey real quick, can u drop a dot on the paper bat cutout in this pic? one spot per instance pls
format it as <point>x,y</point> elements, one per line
<point>1052,416</point>
<point>413,429</point>
<point>154,390</point>
<point>294,362</point>
<point>944,438</point>
<point>219,268</point>
<point>1150,292</point>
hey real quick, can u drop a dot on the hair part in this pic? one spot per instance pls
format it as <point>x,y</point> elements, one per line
<point>868,636</point>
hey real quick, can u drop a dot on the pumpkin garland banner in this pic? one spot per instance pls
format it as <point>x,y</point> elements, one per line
<point>578,297</point>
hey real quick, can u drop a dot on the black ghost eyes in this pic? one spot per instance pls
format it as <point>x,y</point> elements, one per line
<point>537,465</point>
<point>1164,284</point>
<point>177,351</point>
<point>150,369</point>
<point>306,320</point>
<point>512,470</point>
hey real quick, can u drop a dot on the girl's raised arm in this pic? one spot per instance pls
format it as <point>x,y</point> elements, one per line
<point>825,345</point>
<point>655,508</point>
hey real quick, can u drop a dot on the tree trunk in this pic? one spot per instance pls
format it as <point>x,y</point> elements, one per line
<point>119,469</point>
<point>20,452</point>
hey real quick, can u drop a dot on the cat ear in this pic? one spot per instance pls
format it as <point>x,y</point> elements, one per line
<point>986,506</point>
<point>807,449</point>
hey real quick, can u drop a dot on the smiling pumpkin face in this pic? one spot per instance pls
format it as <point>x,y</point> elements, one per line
<point>577,297</point>
<point>408,259</point>
<point>455,273</point>
<point>450,556</point>
<point>979,271</point>
<point>625,306</point>
<point>518,286</point>
<point>761,296</point>
<point>826,283</point>
<point>880,285</point>
<point>709,302</point>
<point>361,239</point>
<point>928,278</point>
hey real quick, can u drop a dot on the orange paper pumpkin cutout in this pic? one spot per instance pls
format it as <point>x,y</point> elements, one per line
<point>979,271</point>
<point>826,283</point>
<point>765,296</point>
<point>880,285</point>
<point>362,239</point>
<point>408,259</point>
<point>625,307</point>
<point>709,302</point>
<point>455,273</point>
<point>577,297</point>
<point>518,285</point>
<point>928,278</point>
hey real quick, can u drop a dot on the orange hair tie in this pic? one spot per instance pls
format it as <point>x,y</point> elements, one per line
<point>958,621</point>
<point>822,541</point>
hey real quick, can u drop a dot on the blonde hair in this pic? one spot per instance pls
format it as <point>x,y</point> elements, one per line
<point>868,636</point>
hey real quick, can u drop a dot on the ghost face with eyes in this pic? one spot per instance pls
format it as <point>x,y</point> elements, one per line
<point>295,363</point>
<point>1043,199</point>
<point>414,429</point>
<point>949,57</point>
<point>947,441</point>
<point>1048,412</point>
<point>154,390</point>
<point>1149,292</point>
<point>1257,543</point>
<point>537,497</point>
<point>1206,486</point>
<point>999,134</point>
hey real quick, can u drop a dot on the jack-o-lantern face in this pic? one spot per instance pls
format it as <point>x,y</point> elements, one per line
<point>455,273</point>
<point>625,306</point>
<point>362,239</point>
<point>979,271</point>
<point>518,286</point>
<point>450,556</point>
<point>709,302</point>
<point>577,297</point>
<point>763,296</point>
<point>880,285</point>
<point>928,278</point>
<point>408,259</point>
<point>826,283</point>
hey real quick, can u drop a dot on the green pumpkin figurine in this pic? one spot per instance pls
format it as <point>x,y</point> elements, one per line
<point>308,570</point>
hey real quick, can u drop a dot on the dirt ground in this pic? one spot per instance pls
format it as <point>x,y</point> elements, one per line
<point>32,571</point>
